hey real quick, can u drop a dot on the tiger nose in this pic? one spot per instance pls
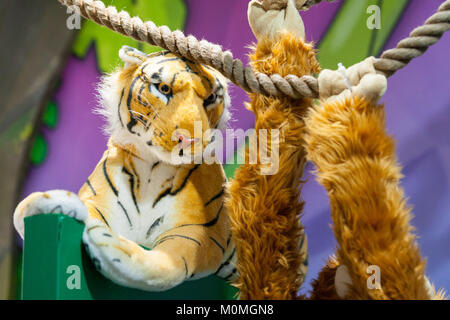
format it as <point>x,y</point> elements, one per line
<point>185,141</point>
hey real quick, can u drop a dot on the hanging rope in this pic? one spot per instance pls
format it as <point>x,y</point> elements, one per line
<point>272,85</point>
<point>280,4</point>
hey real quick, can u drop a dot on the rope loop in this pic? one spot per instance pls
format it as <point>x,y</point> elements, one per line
<point>420,39</point>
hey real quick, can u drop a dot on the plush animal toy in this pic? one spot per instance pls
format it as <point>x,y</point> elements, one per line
<point>149,189</point>
<point>265,209</point>
<point>344,136</point>
<point>355,158</point>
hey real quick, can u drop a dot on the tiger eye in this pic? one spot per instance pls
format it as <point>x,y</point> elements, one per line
<point>211,99</point>
<point>164,88</point>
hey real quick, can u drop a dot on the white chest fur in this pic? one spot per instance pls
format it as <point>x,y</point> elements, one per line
<point>141,212</point>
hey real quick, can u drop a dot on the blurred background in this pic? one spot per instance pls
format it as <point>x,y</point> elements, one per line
<point>50,138</point>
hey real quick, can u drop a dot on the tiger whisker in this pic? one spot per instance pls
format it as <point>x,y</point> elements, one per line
<point>147,125</point>
<point>142,115</point>
<point>147,102</point>
<point>139,119</point>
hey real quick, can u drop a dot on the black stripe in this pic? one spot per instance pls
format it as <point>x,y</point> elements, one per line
<point>185,266</point>
<point>169,59</point>
<point>130,91</point>
<point>156,76</point>
<point>217,196</point>
<point>103,217</point>
<point>131,124</point>
<point>105,172</point>
<point>301,242</point>
<point>172,236</point>
<point>145,104</point>
<point>138,179</point>
<point>206,224</point>
<point>218,244</point>
<point>229,239</point>
<point>91,187</point>
<point>57,209</point>
<point>118,107</point>
<point>227,262</point>
<point>231,274</point>
<point>155,164</point>
<point>94,227</point>
<point>160,196</point>
<point>208,80</point>
<point>132,182</point>
<point>173,79</point>
<point>173,193</point>
<point>156,223</point>
<point>216,218</point>
<point>125,211</point>
<point>132,121</point>
<point>162,54</point>
<point>306,261</point>
<point>185,180</point>
<point>131,154</point>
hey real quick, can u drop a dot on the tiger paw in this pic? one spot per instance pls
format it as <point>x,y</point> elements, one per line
<point>50,202</point>
<point>126,263</point>
<point>269,18</point>
<point>360,79</point>
<point>102,246</point>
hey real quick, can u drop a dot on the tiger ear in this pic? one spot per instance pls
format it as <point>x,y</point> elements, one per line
<point>131,56</point>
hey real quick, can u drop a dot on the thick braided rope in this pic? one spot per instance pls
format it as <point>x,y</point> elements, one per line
<point>309,3</point>
<point>281,4</point>
<point>272,85</point>
<point>419,40</point>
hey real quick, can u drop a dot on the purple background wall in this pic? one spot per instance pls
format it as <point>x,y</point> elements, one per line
<point>418,116</point>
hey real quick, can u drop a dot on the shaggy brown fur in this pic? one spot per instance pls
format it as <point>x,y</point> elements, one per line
<point>264,209</point>
<point>323,287</point>
<point>356,164</point>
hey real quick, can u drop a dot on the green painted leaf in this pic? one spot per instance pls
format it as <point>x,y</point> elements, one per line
<point>349,40</point>
<point>38,150</point>
<point>50,116</point>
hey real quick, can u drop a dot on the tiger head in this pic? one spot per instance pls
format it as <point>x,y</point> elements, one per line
<point>164,104</point>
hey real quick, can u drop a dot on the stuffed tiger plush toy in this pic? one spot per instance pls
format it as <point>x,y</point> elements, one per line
<point>149,190</point>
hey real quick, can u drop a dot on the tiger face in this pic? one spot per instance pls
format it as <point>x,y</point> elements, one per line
<point>164,104</point>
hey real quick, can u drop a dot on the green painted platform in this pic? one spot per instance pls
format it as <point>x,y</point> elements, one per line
<point>56,267</point>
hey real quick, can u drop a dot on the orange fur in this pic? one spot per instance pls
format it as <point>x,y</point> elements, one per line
<point>264,210</point>
<point>356,163</point>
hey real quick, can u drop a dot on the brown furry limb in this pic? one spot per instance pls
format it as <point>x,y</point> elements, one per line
<point>356,163</point>
<point>264,209</point>
<point>323,287</point>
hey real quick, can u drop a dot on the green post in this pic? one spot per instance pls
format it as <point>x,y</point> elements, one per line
<point>56,267</point>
